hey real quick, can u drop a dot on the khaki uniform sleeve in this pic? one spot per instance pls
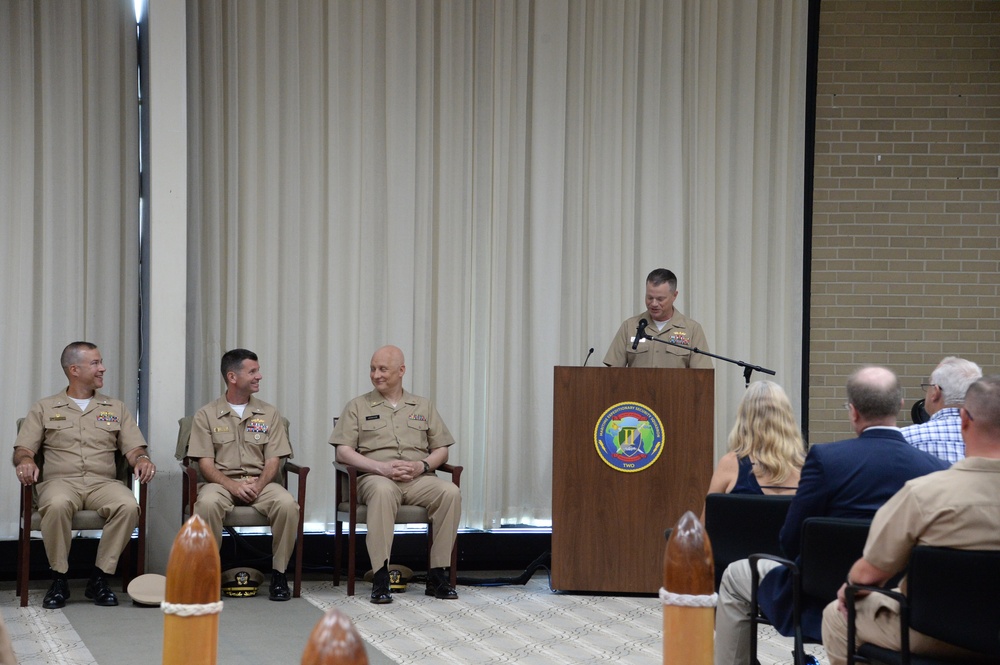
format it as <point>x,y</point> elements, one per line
<point>129,437</point>
<point>698,341</point>
<point>278,444</point>
<point>200,444</point>
<point>893,533</point>
<point>438,435</point>
<point>32,432</point>
<point>617,355</point>
<point>345,433</point>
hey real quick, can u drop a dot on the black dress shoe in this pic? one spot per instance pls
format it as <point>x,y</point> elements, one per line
<point>99,591</point>
<point>57,595</point>
<point>279,587</point>
<point>380,587</point>
<point>439,586</point>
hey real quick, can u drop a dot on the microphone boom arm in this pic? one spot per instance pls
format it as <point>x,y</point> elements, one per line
<point>748,368</point>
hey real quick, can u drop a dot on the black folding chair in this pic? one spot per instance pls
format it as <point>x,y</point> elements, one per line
<point>951,596</point>
<point>743,524</point>
<point>830,546</point>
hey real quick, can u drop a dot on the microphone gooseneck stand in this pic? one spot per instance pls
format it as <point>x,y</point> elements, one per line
<point>748,368</point>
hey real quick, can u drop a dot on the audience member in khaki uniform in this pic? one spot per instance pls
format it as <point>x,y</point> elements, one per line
<point>954,508</point>
<point>398,439</point>
<point>239,442</point>
<point>78,431</point>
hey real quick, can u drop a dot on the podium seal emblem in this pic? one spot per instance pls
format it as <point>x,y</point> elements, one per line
<point>629,437</point>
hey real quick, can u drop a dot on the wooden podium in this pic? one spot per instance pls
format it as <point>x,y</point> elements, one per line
<point>608,524</point>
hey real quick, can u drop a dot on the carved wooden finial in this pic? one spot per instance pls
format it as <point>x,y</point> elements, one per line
<point>335,641</point>
<point>688,595</point>
<point>191,599</point>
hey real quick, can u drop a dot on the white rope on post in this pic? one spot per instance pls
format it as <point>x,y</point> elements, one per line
<point>191,610</point>
<point>684,600</point>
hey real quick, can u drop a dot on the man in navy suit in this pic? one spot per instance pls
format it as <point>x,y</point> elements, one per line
<point>850,478</point>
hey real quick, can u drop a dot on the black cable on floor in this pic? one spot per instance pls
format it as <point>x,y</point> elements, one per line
<point>541,562</point>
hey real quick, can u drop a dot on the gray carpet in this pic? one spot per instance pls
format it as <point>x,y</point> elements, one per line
<point>527,625</point>
<point>251,630</point>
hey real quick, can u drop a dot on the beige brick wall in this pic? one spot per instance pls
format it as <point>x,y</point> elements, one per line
<point>906,218</point>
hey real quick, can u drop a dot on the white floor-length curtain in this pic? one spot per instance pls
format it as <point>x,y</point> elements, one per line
<point>69,202</point>
<point>486,185</point>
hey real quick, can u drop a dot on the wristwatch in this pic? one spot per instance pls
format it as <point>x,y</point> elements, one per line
<point>427,467</point>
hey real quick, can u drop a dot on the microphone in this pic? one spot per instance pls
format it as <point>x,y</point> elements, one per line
<point>640,332</point>
<point>589,353</point>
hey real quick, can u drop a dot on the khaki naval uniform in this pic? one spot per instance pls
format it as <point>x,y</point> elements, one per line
<point>680,330</point>
<point>79,472</point>
<point>954,508</point>
<point>240,446</point>
<point>370,425</point>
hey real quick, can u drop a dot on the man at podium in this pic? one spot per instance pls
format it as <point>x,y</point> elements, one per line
<point>663,322</point>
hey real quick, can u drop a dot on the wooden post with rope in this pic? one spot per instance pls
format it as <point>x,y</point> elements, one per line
<point>335,641</point>
<point>191,603</point>
<point>688,595</point>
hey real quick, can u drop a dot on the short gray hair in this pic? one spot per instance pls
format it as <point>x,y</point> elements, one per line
<point>953,376</point>
<point>984,399</point>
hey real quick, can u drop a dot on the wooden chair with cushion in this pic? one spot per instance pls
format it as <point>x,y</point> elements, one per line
<point>83,520</point>
<point>950,595</point>
<point>830,546</point>
<point>743,524</point>
<point>242,516</point>
<point>350,510</point>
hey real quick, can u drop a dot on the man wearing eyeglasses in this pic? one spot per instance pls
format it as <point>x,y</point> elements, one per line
<point>954,508</point>
<point>941,436</point>
<point>79,430</point>
<point>850,478</point>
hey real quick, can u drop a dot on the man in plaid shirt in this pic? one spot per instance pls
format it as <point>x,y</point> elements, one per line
<point>941,436</point>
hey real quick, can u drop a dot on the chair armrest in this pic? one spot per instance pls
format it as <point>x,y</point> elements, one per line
<point>349,474</point>
<point>455,471</point>
<point>851,593</point>
<point>754,558</point>
<point>755,581</point>
<point>301,472</point>
<point>26,506</point>
<point>189,485</point>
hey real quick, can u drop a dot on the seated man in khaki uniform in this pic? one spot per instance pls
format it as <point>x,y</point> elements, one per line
<point>239,442</point>
<point>398,439</point>
<point>79,431</point>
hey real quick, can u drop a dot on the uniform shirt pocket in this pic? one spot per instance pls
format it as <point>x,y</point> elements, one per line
<point>109,426</point>
<point>59,433</point>
<point>373,425</point>
<point>220,438</point>
<point>417,424</point>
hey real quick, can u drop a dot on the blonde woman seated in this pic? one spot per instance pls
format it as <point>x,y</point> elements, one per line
<point>766,450</point>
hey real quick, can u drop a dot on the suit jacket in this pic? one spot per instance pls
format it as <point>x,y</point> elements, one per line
<point>851,478</point>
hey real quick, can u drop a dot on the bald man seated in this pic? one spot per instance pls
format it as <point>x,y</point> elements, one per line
<point>398,439</point>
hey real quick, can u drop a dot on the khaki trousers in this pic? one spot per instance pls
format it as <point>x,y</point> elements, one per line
<point>59,499</point>
<point>275,503</point>
<point>877,622</point>
<point>440,497</point>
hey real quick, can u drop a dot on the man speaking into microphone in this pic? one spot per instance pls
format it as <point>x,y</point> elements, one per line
<point>633,345</point>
